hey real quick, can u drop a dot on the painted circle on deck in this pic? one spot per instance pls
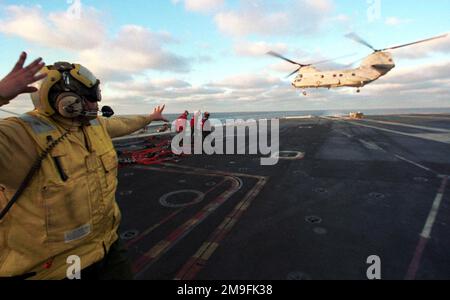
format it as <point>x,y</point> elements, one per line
<point>182,198</point>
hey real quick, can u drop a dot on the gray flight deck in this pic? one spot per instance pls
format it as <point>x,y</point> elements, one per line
<point>376,186</point>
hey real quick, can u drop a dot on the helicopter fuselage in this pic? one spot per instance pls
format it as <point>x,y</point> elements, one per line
<point>372,68</point>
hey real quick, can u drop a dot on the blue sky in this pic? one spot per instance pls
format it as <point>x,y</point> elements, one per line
<point>209,54</point>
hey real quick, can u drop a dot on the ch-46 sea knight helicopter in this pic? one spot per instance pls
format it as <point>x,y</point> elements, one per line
<point>374,66</point>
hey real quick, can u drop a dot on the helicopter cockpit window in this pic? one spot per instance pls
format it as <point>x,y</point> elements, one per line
<point>353,74</point>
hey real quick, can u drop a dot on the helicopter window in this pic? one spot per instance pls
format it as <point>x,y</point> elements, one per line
<point>334,75</point>
<point>323,76</point>
<point>341,75</point>
<point>353,74</point>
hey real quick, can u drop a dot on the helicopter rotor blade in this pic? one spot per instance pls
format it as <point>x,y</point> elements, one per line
<point>330,60</point>
<point>294,72</point>
<point>358,39</point>
<point>353,63</point>
<point>418,42</point>
<point>284,58</point>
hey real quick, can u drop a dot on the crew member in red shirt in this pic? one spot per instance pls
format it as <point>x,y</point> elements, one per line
<point>207,132</point>
<point>182,122</point>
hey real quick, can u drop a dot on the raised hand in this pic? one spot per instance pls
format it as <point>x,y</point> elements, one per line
<point>19,79</point>
<point>157,114</point>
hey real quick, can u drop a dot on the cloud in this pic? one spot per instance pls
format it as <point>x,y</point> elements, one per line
<point>282,67</point>
<point>203,6</point>
<point>427,74</point>
<point>267,18</point>
<point>132,51</point>
<point>424,50</point>
<point>168,89</point>
<point>258,48</point>
<point>124,58</point>
<point>150,85</point>
<point>55,29</point>
<point>233,90</point>
<point>394,21</point>
<point>407,87</point>
<point>340,18</point>
<point>247,82</point>
<point>422,86</point>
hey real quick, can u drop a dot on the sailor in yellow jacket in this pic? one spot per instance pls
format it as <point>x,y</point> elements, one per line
<point>68,208</point>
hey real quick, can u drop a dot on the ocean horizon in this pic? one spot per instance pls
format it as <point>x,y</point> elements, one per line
<point>223,116</point>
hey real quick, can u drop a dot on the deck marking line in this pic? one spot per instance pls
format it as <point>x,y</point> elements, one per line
<point>434,210</point>
<point>408,125</point>
<point>196,263</point>
<point>371,146</point>
<point>167,219</point>
<point>426,233</point>
<point>441,138</point>
<point>414,163</point>
<point>196,171</point>
<point>143,263</point>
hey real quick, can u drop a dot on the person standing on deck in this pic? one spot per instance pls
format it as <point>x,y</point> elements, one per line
<point>59,176</point>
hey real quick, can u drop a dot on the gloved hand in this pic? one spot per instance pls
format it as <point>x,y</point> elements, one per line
<point>18,80</point>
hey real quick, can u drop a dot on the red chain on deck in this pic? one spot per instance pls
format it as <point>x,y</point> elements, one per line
<point>158,152</point>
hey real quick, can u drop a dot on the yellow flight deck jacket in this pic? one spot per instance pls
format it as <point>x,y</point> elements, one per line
<point>69,208</point>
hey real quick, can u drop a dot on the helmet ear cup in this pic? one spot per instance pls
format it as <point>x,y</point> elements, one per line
<point>69,105</point>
